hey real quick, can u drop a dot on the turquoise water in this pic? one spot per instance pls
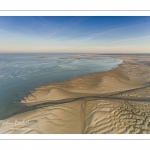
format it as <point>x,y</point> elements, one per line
<point>21,73</point>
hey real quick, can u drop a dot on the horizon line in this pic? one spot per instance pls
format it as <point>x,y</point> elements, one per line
<point>66,53</point>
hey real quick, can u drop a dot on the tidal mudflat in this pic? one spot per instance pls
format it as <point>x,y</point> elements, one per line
<point>116,100</point>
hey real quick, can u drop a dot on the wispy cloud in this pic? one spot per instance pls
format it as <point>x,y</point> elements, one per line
<point>127,39</point>
<point>72,32</point>
<point>95,35</point>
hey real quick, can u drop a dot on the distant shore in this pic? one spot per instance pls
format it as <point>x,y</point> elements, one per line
<point>114,101</point>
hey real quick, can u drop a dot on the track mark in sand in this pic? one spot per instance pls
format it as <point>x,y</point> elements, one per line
<point>128,118</point>
<point>103,116</point>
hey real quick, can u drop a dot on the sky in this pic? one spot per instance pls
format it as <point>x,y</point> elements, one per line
<point>75,34</point>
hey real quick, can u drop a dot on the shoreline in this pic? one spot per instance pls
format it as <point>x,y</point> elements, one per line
<point>82,95</point>
<point>62,87</point>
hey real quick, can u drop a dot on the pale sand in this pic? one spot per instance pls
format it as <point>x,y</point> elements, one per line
<point>115,101</point>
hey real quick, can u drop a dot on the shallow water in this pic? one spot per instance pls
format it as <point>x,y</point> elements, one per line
<point>21,73</point>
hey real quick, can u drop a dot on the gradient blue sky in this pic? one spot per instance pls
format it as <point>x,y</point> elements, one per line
<point>75,34</point>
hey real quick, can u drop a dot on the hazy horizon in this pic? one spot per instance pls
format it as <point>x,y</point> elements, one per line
<point>92,34</point>
<point>71,53</point>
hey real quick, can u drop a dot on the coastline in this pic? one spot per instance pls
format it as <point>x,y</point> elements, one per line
<point>91,100</point>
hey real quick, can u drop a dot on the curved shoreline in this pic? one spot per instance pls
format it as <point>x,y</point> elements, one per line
<point>21,86</point>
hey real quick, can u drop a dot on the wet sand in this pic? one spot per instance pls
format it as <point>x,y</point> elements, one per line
<point>116,101</point>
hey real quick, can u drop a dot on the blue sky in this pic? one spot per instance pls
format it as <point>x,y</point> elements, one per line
<point>75,34</point>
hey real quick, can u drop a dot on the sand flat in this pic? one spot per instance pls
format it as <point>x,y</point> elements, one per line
<point>116,101</point>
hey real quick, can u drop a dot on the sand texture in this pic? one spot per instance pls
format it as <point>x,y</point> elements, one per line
<point>116,101</point>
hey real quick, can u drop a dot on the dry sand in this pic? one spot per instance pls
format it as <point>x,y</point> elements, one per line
<point>116,101</point>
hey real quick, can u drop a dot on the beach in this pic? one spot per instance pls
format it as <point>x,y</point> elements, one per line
<point>110,102</point>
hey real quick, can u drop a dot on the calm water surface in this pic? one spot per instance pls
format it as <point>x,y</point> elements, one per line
<point>21,73</point>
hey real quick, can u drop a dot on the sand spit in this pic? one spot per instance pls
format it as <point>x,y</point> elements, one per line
<point>116,101</point>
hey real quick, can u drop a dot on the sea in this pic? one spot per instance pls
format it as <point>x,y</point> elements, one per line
<point>20,74</point>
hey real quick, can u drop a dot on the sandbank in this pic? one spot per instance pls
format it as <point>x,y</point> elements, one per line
<point>115,101</point>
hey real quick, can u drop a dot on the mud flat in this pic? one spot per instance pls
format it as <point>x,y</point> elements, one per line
<point>116,101</point>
